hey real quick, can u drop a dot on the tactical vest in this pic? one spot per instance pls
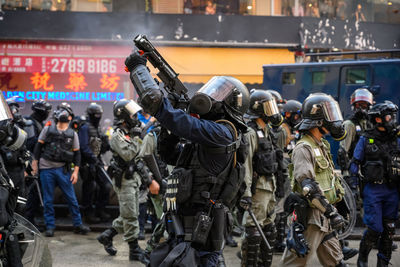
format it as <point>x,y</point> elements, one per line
<point>381,156</point>
<point>207,185</point>
<point>264,159</point>
<point>324,170</point>
<point>12,158</point>
<point>94,139</point>
<point>58,146</point>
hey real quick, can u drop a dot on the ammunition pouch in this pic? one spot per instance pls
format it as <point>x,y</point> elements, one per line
<point>201,228</point>
<point>373,171</point>
<point>184,180</point>
<point>393,167</point>
<point>265,163</point>
<point>233,186</point>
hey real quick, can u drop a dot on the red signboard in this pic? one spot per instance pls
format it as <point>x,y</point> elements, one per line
<point>62,58</point>
<point>57,71</point>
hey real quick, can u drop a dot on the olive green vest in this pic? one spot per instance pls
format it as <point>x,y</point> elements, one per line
<point>324,170</point>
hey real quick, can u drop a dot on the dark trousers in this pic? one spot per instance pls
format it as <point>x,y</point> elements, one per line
<point>142,215</point>
<point>92,179</point>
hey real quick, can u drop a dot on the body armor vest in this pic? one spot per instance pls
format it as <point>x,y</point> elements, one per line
<point>94,140</point>
<point>324,170</point>
<point>265,160</point>
<point>208,182</point>
<point>381,157</point>
<point>12,158</point>
<point>58,146</point>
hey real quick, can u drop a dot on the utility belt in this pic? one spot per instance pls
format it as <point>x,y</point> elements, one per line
<point>117,172</point>
<point>373,171</point>
<point>205,230</point>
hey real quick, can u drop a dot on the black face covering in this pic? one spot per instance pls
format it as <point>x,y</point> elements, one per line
<point>360,114</point>
<point>95,120</point>
<point>40,115</point>
<point>336,129</point>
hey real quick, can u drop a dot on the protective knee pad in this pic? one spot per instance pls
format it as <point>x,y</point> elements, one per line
<point>250,247</point>
<point>367,242</point>
<point>386,241</point>
<point>265,253</point>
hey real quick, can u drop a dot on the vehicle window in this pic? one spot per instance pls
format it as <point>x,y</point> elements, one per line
<point>289,78</point>
<point>318,77</point>
<point>356,76</point>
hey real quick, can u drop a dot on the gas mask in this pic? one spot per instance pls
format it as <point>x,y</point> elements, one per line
<point>292,120</point>
<point>95,119</point>
<point>360,114</point>
<point>41,115</point>
<point>389,122</point>
<point>62,115</point>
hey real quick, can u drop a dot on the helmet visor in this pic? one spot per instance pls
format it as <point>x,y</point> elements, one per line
<point>270,107</point>
<point>5,112</point>
<point>218,88</point>
<point>132,107</point>
<point>332,111</point>
<point>362,95</point>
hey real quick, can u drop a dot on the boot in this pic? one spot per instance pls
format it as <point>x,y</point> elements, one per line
<point>341,264</point>
<point>347,252</point>
<point>366,244</point>
<point>382,261</point>
<point>385,246</point>
<point>141,235</point>
<point>221,260</point>
<point>250,247</point>
<point>280,245</point>
<point>265,253</point>
<point>136,253</point>
<point>106,238</point>
<point>230,241</point>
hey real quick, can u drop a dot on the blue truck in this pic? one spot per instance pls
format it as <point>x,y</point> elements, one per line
<point>338,78</point>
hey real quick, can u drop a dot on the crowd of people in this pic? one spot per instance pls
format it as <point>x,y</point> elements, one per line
<point>226,160</point>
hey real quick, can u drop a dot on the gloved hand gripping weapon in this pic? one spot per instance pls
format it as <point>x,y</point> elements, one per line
<point>168,76</point>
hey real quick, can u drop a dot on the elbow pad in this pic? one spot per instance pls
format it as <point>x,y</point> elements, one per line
<point>144,173</point>
<point>77,158</point>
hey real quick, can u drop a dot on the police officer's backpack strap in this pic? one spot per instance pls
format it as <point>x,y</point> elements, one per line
<point>232,147</point>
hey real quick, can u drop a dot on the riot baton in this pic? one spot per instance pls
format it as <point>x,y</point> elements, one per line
<point>103,171</point>
<point>259,228</point>
<point>35,181</point>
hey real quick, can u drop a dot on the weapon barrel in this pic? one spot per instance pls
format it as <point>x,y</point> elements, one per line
<point>103,171</point>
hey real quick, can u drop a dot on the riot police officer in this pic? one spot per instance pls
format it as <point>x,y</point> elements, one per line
<point>291,111</point>
<point>261,164</point>
<point>41,110</point>
<point>208,161</point>
<point>314,178</point>
<point>90,140</point>
<point>377,154</point>
<point>56,149</point>
<point>127,177</point>
<point>360,101</point>
<point>15,159</point>
<point>13,138</point>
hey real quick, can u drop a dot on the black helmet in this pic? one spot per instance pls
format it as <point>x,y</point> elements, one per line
<point>277,96</point>
<point>292,112</point>
<point>41,109</point>
<point>382,110</point>
<point>126,111</point>
<point>94,112</point>
<point>224,96</point>
<point>321,110</point>
<point>15,108</point>
<point>12,102</point>
<point>263,105</point>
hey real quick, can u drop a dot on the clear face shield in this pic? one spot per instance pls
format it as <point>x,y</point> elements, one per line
<point>5,112</point>
<point>133,108</point>
<point>270,108</point>
<point>362,95</point>
<point>332,111</point>
<point>217,89</point>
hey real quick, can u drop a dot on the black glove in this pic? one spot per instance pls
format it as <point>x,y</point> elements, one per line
<point>245,203</point>
<point>134,60</point>
<point>310,188</point>
<point>151,101</point>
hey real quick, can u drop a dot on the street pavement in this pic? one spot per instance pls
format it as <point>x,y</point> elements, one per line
<point>69,249</point>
